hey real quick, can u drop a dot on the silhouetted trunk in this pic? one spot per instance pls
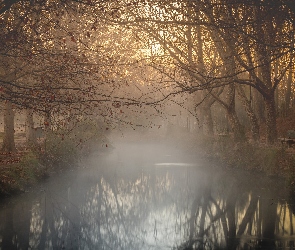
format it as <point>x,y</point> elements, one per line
<point>236,126</point>
<point>269,212</point>
<point>250,113</point>
<point>206,114</point>
<point>238,130</point>
<point>200,115</point>
<point>8,137</point>
<point>231,219</point>
<point>288,90</point>
<point>206,196</point>
<point>229,69</point>
<point>258,104</point>
<point>271,124</point>
<point>248,217</point>
<point>265,72</point>
<point>207,120</point>
<point>276,72</point>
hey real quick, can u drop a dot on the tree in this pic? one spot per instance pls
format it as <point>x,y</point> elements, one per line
<point>260,36</point>
<point>209,47</point>
<point>246,43</point>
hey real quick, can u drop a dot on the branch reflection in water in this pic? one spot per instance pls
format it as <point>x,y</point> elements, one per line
<point>137,204</point>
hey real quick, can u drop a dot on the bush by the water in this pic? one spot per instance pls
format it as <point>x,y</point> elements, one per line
<point>272,160</point>
<point>21,174</point>
<point>66,147</point>
<point>61,148</point>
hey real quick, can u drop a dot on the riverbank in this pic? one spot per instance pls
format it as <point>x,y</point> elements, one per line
<point>274,161</point>
<point>61,150</point>
<point>150,198</point>
<point>222,151</point>
<point>22,169</point>
<point>271,160</point>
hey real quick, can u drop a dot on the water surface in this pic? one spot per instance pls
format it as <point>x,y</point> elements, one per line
<point>149,196</point>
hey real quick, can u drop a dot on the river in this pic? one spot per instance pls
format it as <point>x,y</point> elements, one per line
<point>150,196</point>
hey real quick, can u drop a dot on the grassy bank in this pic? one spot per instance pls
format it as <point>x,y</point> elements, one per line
<point>20,171</point>
<point>274,161</point>
<point>60,150</point>
<point>64,148</point>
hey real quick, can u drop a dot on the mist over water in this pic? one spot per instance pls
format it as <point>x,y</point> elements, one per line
<point>121,88</point>
<point>149,195</point>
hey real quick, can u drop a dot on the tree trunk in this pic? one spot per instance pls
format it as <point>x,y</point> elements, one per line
<point>207,120</point>
<point>259,106</point>
<point>200,115</point>
<point>271,124</point>
<point>288,90</point>
<point>250,113</point>
<point>276,72</point>
<point>238,130</point>
<point>229,105</point>
<point>230,70</point>
<point>30,133</point>
<point>277,101</point>
<point>8,137</point>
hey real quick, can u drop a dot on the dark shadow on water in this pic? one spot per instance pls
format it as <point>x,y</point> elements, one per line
<point>150,196</point>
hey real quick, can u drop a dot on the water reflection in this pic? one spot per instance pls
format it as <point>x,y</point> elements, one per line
<point>135,203</point>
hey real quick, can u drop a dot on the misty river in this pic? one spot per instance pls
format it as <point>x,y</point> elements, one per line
<point>150,196</point>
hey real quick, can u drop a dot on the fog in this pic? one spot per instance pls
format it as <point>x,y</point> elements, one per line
<point>129,124</point>
<point>149,194</point>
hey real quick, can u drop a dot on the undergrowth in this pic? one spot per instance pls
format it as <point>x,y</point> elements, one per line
<point>271,160</point>
<point>61,149</point>
<point>20,175</point>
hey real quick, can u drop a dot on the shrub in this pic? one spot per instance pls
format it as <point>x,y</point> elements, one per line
<point>66,147</point>
<point>19,175</point>
<point>59,151</point>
